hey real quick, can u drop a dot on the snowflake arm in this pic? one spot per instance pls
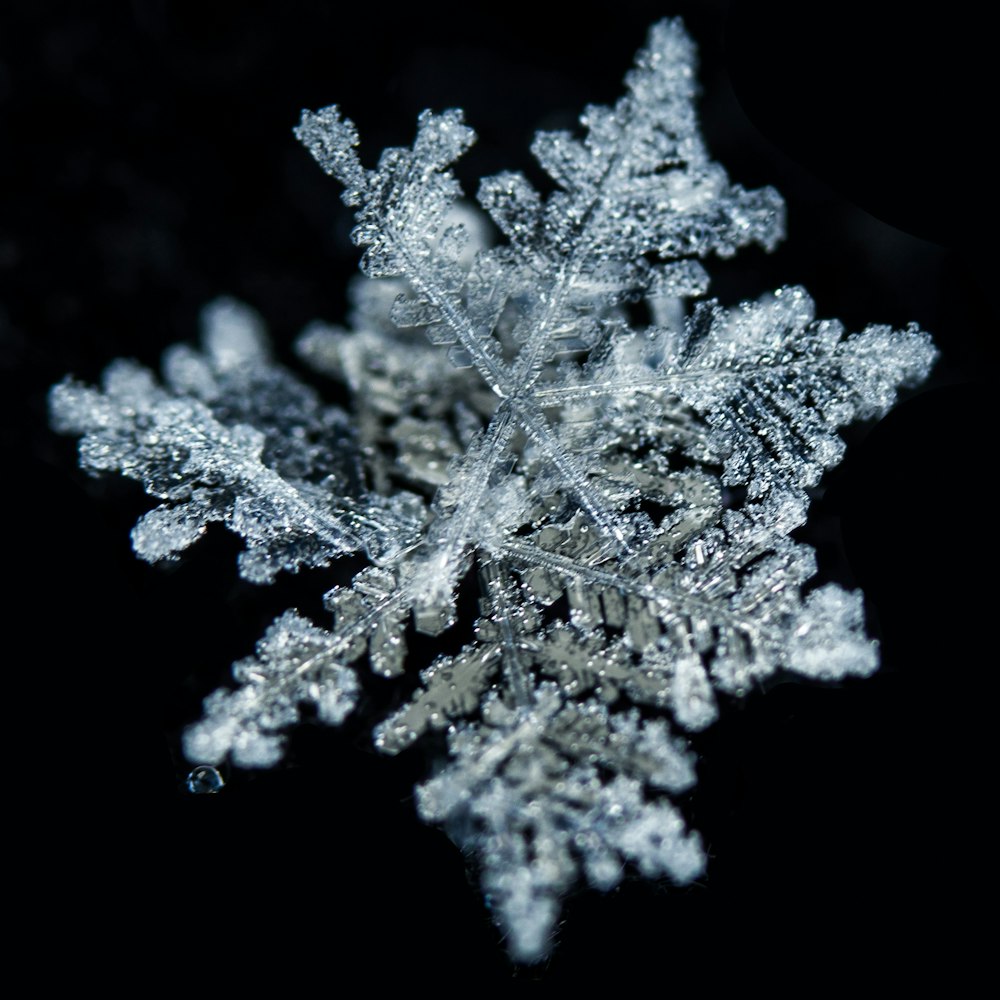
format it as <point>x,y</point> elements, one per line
<point>772,382</point>
<point>525,793</point>
<point>295,663</point>
<point>191,449</point>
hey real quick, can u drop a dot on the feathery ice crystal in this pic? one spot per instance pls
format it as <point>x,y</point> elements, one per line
<point>623,493</point>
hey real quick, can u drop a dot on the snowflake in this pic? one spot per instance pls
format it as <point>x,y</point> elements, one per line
<point>619,485</point>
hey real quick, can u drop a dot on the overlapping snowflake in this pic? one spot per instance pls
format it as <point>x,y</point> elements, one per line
<point>622,493</point>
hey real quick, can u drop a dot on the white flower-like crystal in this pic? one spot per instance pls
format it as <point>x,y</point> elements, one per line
<point>621,493</point>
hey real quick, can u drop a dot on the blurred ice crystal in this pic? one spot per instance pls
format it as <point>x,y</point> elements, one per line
<point>624,493</point>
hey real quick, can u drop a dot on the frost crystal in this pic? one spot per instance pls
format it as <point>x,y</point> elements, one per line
<point>621,492</point>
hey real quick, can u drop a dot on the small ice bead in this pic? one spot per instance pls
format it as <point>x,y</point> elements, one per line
<point>204,780</point>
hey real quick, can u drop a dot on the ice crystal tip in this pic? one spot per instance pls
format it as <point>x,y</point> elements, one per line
<point>621,493</point>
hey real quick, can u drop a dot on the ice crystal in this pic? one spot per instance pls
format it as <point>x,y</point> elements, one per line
<point>622,492</point>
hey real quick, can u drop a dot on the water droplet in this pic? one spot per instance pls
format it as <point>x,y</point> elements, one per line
<point>204,780</point>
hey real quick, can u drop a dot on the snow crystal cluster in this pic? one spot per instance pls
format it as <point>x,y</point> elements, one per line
<point>622,493</point>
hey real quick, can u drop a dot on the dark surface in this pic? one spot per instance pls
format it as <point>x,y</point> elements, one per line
<point>148,166</point>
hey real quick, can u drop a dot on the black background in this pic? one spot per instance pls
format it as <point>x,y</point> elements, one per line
<point>148,166</point>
